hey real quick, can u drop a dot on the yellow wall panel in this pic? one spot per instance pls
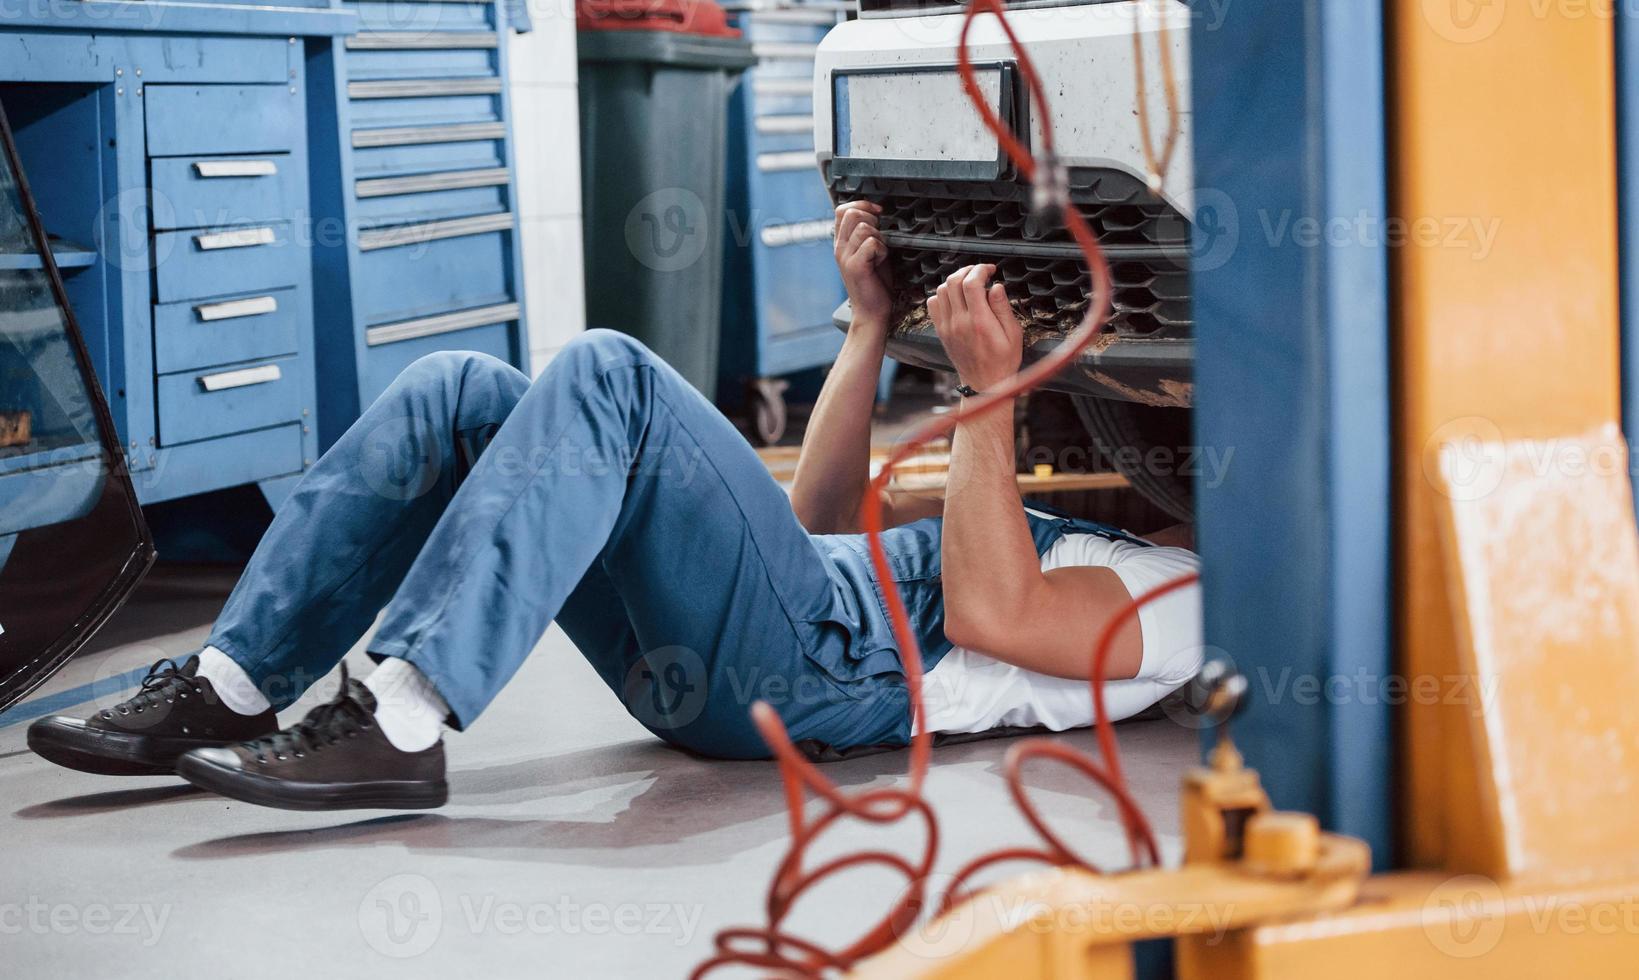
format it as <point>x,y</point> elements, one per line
<point>1503,129</point>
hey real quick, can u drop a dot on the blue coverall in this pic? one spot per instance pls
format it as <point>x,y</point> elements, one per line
<point>610,496</point>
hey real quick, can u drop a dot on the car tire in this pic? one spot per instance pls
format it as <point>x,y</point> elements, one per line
<point>1127,433</point>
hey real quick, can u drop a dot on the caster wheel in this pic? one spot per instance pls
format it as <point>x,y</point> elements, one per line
<point>767,410</point>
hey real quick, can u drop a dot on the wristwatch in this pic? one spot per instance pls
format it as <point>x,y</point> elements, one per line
<point>966,391</point>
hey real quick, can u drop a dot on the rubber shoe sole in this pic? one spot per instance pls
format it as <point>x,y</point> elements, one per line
<point>109,753</point>
<point>287,794</point>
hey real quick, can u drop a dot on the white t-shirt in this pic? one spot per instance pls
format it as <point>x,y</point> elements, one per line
<point>969,692</point>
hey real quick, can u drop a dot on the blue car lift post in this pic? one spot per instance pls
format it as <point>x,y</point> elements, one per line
<point>1292,376</point>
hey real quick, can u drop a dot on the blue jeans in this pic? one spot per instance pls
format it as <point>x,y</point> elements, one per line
<point>610,496</point>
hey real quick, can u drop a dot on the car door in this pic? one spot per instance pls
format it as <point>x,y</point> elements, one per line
<point>73,544</point>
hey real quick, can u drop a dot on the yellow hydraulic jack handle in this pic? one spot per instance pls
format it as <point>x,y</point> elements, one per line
<point>1246,864</point>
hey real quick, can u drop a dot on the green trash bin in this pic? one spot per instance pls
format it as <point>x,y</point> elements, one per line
<point>653,105</point>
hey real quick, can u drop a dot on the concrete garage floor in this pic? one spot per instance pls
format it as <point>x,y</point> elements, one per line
<point>574,843</point>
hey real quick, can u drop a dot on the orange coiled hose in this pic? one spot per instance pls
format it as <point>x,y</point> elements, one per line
<point>771,947</point>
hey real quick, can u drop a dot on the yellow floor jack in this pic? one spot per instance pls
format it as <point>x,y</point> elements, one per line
<point>1542,763</point>
<point>1244,864</point>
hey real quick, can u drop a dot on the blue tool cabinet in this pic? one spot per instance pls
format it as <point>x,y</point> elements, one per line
<point>263,213</point>
<point>780,282</point>
<point>170,167</point>
<point>411,118</point>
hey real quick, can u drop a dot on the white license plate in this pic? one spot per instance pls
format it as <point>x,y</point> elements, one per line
<point>918,123</point>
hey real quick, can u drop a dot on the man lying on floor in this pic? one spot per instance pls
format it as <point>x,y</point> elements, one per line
<point>611,497</point>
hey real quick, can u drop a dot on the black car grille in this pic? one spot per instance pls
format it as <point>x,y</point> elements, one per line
<point>934,228</point>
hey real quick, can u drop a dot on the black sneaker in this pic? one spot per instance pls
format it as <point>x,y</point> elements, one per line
<point>334,759</point>
<point>173,712</point>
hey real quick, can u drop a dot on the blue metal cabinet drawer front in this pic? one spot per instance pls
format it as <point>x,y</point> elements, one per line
<point>781,284</point>
<point>222,261</point>
<point>205,404</point>
<point>395,347</point>
<point>397,15</point>
<point>387,161</point>
<point>215,192</point>
<point>205,333</point>
<point>426,277</point>
<point>421,120</point>
<point>472,192</point>
<point>433,108</point>
<point>220,119</point>
<point>787,193</point>
<point>171,154</point>
<point>412,63</point>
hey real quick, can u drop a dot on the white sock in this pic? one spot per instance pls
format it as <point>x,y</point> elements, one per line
<point>232,684</point>
<point>409,709</point>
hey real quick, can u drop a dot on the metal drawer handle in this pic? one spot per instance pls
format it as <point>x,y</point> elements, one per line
<point>781,160</point>
<point>415,135</point>
<point>235,168</point>
<point>770,50</point>
<point>785,124</point>
<point>421,40</point>
<point>236,308</point>
<point>797,86</point>
<point>796,233</point>
<point>432,326</point>
<point>417,88</point>
<point>432,231</point>
<point>449,180</point>
<point>241,378</point>
<point>238,238</point>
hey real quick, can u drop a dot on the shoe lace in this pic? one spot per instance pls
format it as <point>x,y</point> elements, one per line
<point>342,717</point>
<point>165,682</point>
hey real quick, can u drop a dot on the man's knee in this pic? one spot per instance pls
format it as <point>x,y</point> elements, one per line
<point>450,368</point>
<point>599,347</point>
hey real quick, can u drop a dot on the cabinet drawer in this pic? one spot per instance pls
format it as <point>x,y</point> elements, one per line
<point>226,331</point>
<point>391,161</point>
<point>780,195</point>
<point>785,58</point>
<point>198,405</point>
<point>417,18</point>
<point>189,119</point>
<point>433,277</point>
<point>796,25</point>
<point>224,261</point>
<point>366,65</point>
<point>424,111</point>
<point>795,289</point>
<point>782,96</point>
<point>374,212</point>
<point>387,359</point>
<point>212,192</point>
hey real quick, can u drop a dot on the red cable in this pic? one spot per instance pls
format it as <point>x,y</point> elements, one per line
<point>1111,777</point>
<point>770,947</point>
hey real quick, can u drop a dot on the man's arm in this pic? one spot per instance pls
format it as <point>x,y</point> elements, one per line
<point>997,599</point>
<point>834,467</point>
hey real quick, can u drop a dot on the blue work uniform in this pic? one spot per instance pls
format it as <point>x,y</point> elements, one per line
<point>476,508</point>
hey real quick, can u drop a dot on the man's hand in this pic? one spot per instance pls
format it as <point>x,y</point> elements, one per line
<point>977,327</point>
<point>862,256</point>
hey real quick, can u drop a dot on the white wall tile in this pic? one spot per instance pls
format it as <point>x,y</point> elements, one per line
<point>553,273</point>
<point>546,126</point>
<point>546,152</point>
<point>546,54</point>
